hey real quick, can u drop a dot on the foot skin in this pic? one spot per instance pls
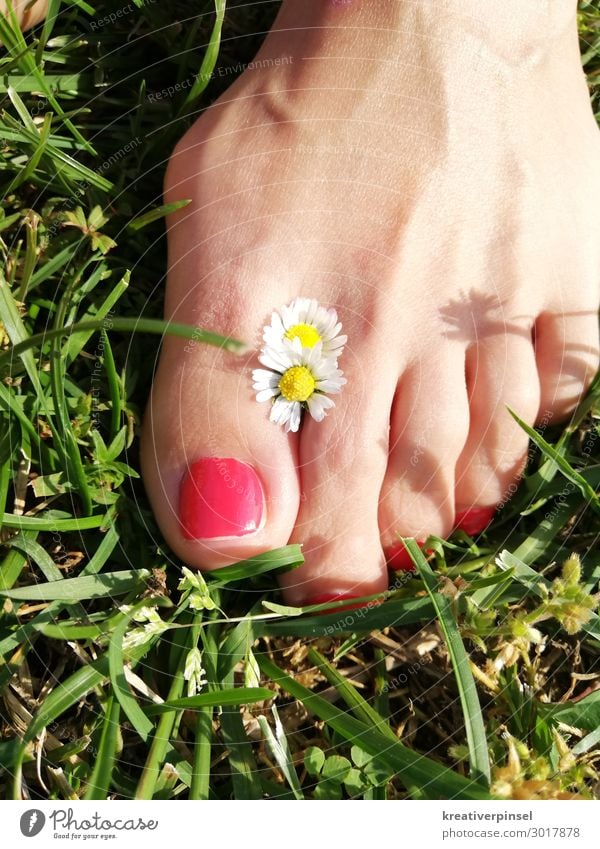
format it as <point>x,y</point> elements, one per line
<point>434,180</point>
<point>27,13</point>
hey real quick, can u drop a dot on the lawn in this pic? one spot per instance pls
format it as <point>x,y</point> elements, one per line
<point>121,674</point>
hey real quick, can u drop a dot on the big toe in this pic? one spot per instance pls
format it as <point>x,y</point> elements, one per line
<point>222,483</point>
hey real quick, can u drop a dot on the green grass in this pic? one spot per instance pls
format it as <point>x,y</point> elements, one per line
<point>132,679</point>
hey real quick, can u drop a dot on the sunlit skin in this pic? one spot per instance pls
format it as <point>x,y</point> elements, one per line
<point>434,177</point>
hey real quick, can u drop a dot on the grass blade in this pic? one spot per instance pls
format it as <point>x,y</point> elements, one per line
<point>116,663</point>
<point>565,467</point>
<point>210,56</point>
<point>11,319</point>
<point>100,779</point>
<point>161,738</point>
<point>393,613</point>
<point>434,780</point>
<point>49,523</point>
<point>127,325</point>
<point>200,783</point>
<point>280,750</point>
<point>77,589</point>
<point>474,725</point>
<point>56,703</point>
<point>359,706</point>
<point>38,554</point>
<point>155,214</point>
<point>287,557</point>
<point>245,775</point>
<point>213,698</point>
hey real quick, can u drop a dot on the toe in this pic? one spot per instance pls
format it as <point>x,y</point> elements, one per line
<point>566,351</point>
<point>342,464</point>
<point>429,426</point>
<point>220,477</point>
<point>501,373</point>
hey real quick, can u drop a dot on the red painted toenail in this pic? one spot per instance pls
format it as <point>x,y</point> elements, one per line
<point>220,498</point>
<point>474,520</point>
<point>399,559</point>
<point>323,598</point>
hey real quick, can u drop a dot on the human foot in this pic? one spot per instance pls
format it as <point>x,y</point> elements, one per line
<point>27,13</point>
<point>435,181</point>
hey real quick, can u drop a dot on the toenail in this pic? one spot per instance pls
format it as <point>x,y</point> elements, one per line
<point>474,520</point>
<point>220,497</point>
<point>323,598</point>
<point>398,558</point>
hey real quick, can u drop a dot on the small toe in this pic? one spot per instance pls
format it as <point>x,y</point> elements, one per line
<point>501,374</point>
<point>429,427</point>
<point>566,352</point>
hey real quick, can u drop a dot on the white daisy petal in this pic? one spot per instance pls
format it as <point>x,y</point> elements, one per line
<point>331,386</point>
<point>260,387</point>
<point>324,369</point>
<point>265,394</point>
<point>314,356</point>
<point>317,404</point>
<point>330,323</point>
<point>280,411</point>
<point>295,416</point>
<point>300,372</point>
<point>272,337</point>
<point>262,375</point>
<point>275,360</point>
<point>311,312</point>
<point>288,315</point>
<point>276,323</point>
<point>305,314</point>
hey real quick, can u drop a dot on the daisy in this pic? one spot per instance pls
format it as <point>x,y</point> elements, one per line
<point>305,319</point>
<point>297,378</point>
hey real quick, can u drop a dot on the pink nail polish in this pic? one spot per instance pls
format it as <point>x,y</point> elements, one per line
<point>398,558</point>
<point>474,520</point>
<point>220,497</point>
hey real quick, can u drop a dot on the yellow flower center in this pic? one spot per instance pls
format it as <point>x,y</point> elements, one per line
<point>297,384</point>
<point>307,335</point>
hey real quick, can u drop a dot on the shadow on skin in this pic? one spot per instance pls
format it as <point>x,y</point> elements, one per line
<point>475,314</point>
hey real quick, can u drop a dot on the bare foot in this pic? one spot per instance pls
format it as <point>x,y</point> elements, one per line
<point>27,12</point>
<point>435,179</point>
